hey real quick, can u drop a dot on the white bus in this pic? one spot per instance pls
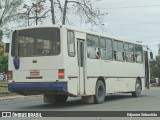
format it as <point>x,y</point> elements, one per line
<point>58,61</point>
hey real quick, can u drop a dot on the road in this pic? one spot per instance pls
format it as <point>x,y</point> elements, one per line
<point>149,101</point>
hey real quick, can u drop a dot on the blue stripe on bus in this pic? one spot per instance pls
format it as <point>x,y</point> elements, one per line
<point>38,87</point>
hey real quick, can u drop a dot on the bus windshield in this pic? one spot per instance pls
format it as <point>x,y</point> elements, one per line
<point>35,42</point>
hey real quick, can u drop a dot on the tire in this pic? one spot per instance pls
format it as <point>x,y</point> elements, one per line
<point>138,89</point>
<point>100,92</point>
<point>61,98</point>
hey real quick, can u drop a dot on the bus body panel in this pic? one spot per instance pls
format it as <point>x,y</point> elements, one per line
<point>76,84</point>
<point>116,77</point>
<point>119,76</point>
<point>70,66</point>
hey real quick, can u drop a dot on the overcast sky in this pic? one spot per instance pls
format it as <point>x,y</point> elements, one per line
<point>133,20</point>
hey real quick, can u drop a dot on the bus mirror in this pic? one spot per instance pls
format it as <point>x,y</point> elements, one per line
<point>151,55</point>
<point>6,48</point>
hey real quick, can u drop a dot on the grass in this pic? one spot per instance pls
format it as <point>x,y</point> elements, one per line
<point>3,86</point>
<point>2,83</point>
<point>4,89</point>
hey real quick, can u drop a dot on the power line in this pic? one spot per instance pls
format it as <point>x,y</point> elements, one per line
<point>135,24</point>
<point>132,7</point>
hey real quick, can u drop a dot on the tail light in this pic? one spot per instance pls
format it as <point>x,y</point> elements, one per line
<point>61,74</point>
<point>10,76</point>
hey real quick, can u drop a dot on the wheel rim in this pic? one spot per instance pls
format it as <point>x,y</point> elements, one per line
<point>100,92</point>
<point>138,89</point>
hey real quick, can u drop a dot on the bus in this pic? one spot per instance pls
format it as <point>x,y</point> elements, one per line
<point>59,61</point>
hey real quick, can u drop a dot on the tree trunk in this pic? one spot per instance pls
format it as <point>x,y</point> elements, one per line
<point>52,12</point>
<point>64,13</point>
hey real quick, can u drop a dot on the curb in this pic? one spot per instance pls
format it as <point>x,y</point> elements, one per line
<point>11,97</point>
<point>154,88</point>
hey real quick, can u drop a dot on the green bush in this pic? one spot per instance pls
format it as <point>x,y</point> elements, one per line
<point>3,64</point>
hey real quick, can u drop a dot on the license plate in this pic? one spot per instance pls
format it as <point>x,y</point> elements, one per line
<point>34,73</point>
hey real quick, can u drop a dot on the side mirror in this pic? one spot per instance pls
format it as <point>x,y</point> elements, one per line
<point>6,47</point>
<point>151,55</point>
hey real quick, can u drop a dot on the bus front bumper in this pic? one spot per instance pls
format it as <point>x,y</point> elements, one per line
<point>38,88</point>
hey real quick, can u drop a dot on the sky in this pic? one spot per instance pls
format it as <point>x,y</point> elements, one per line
<point>131,20</point>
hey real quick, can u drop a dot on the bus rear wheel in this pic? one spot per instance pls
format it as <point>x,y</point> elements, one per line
<point>61,98</point>
<point>138,89</point>
<point>100,92</point>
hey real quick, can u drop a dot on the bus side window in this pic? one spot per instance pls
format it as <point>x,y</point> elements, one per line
<point>138,53</point>
<point>97,55</point>
<point>91,52</point>
<point>71,43</point>
<point>118,50</point>
<point>93,47</point>
<point>133,57</point>
<point>115,50</point>
<point>115,55</point>
<point>106,48</point>
<point>129,52</point>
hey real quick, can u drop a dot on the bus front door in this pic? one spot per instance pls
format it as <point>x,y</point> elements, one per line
<point>81,63</point>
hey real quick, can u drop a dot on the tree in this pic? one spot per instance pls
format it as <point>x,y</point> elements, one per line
<point>60,11</point>
<point>1,48</point>
<point>1,44</point>
<point>9,10</point>
<point>35,12</point>
<point>83,9</point>
<point>155,65</point>
<point>3,64</point>
<point>9,13</point>
<point>1,34</point>
<point>159,48</point>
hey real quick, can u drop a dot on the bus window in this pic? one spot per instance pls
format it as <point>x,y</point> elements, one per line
<point>44,42</point>
<point>106,46</point>
<point>118,50</point>
<point>103,48</point>
<point>26,48</point>
<point>115,49</point>
<point>121,51</point>
<point>129,52</point>
<point>138,53</point>
<point>93,47</point>
<point>71,44</point>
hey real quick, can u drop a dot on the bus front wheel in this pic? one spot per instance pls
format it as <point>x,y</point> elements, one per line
<point>138,89</point>
<point>100,92</point>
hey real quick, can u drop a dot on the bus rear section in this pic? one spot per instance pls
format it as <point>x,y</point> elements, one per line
<point>37,62</point>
